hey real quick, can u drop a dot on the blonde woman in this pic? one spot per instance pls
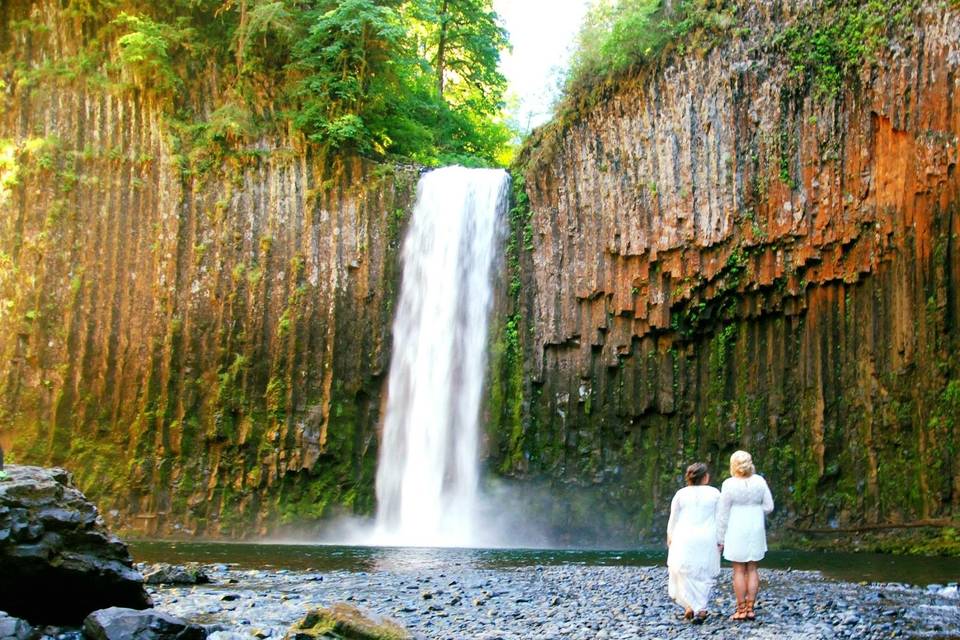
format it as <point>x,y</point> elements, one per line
<point>694,556</point>
<point>744,501</point>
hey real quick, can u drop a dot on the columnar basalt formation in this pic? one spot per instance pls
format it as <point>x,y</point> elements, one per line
<point>198,332</point>
<point>720,255</point>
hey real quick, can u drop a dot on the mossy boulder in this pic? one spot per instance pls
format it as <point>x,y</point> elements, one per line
<point>343,622</point>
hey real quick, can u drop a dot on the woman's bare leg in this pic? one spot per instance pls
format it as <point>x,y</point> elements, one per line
<point>739,587</point>
<point>753,580</point>
<point>753,586</point>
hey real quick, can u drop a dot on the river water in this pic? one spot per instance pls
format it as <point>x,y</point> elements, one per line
<point>850,567</point>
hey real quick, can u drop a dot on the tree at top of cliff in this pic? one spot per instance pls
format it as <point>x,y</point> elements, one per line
<point>407,79</point>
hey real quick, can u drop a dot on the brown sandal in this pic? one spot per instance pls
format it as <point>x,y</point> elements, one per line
<point>688,614</point>
<point>748,610</point>
<point>740,613</point>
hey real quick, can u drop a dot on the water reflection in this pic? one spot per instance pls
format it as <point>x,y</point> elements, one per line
<point>421,559</point>
<point>851,567</point>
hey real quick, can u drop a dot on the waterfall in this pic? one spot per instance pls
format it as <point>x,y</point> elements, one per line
<point>428,470</point>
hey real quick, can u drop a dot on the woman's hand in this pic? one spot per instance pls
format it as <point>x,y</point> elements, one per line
<point>668,541</point>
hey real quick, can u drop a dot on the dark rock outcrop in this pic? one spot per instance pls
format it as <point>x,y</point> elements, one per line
<point>117,623</point>
<point>57,561</point>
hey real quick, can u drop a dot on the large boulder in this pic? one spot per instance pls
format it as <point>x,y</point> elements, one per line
<point>117,623</point>
<point>58,561</point>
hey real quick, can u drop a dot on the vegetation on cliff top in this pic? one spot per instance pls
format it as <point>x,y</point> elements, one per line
<point>412,80</point>
<point>825,44</point>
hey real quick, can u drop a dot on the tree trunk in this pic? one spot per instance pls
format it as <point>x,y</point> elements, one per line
<point>241,37</point>
<point>441,46</point>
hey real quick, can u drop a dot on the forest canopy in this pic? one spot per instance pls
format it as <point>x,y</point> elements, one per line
<point>413,80</point>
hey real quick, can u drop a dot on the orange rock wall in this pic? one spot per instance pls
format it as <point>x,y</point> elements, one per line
<point>722,259</point>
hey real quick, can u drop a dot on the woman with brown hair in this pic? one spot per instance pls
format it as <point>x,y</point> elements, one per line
<point>694,557</point>
<point>745,500</point>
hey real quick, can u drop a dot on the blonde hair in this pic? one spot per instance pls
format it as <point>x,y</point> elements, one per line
<point>741,464</point>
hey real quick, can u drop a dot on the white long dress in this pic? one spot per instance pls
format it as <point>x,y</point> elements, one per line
<point>693,559</point>
<point>740,518</point>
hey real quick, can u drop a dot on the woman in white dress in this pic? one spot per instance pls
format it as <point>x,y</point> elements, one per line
<point>744,502</point>
<point>694,556</point>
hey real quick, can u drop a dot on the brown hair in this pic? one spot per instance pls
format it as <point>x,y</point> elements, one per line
<point>696,473</point>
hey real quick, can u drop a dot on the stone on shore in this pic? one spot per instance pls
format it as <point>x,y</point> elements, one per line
<point>13,628</point>
<point>163,573</point>
<point>343,622</point>
<point>118,623</point>
<point>58,561</point>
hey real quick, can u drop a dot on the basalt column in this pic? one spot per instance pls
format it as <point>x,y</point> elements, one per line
<point>199,332</point>
<point>721,254</point>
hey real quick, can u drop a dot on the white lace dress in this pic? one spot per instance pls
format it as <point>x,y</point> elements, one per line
<point>693,559</point>
<point>740,518</point>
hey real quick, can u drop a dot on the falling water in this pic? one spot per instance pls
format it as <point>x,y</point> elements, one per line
<point>428,472</point>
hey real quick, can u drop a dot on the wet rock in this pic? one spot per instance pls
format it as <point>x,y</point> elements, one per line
<point>949,592</point>
<point>174,574</point>
<point>54,548</point>
<point>343,622</point>
<point>13,628</point>
<point>118,623</point>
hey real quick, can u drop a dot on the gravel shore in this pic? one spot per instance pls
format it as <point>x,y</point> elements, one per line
<point>461,601</point>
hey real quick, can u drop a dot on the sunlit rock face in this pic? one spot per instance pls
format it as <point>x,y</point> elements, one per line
<point>201,335</point>
<point>719,258</point>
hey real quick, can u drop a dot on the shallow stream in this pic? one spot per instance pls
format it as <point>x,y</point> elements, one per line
<point>851,567</point>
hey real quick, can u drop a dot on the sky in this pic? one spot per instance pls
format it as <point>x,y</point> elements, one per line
<point>542,33</point>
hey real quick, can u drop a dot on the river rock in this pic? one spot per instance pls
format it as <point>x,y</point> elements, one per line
<point>13,628</point>
<point>118,623</point>
<point>55,549</point>
<point>174,574</point>
<point>343,622</point>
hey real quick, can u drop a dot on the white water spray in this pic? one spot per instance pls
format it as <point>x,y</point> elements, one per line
<point>428,471</point>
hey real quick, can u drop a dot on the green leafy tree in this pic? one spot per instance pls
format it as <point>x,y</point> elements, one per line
<point>462,41</point>
<point>463,44</point>
<point>352,58</point>
<point>615,34</point>
<point>411,79</point>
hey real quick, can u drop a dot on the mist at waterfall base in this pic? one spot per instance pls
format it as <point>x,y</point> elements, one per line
<point>429,469</point>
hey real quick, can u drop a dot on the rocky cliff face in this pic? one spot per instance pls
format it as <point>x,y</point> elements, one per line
<point>723,250</point>
<point>723,253</point>
<point>199,333</point>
